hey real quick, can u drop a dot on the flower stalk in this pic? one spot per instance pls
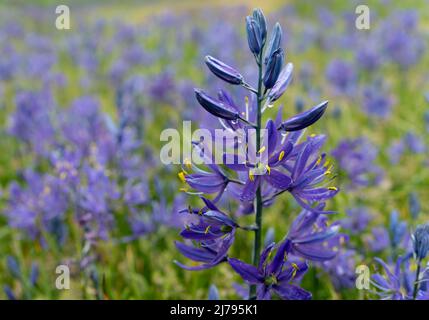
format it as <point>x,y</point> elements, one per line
<point>258,217</point>
<point>416,282</point>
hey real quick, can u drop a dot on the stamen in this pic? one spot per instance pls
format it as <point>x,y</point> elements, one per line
<point>251,176</point>
<point>281,155</point>
<point>181,176</point>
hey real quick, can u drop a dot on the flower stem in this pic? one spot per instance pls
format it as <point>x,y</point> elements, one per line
<point>258,218</point>
<point>416,282</point>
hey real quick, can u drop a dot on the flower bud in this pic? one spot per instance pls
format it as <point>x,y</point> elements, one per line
<point>421,241</point>
<point>275,41</point>
<point>282,83</point>
<point>223,71</point>
<point>215,107</point>
<point>259,17</point>
<point>274,67</point>
<point>305,119</point>
<point>253,35</point>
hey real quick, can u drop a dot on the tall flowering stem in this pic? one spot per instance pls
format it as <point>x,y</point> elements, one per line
<point>291,165</point>
<point>258,217</point>
<point>416,282</point>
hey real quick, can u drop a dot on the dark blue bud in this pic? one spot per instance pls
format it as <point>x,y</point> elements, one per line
<point>397,229</point>
<point>213,293</point>
<point>216,107</point>
<point>282,83</point>
<point>275,42</point>
<point>259,17</point>
<point>420,239</point>
<point>414,204</point>
<point>253,35</point>
<point>34,274</point>
<point>14,267</point>
<point>223,71</point>
<point>274,67</point>
<point>305,119</point>
<point>9,293</point>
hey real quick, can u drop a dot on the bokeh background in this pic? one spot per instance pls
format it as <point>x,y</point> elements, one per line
<point>81,111</point>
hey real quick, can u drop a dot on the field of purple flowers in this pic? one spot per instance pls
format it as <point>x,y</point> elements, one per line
<point>339,210</point>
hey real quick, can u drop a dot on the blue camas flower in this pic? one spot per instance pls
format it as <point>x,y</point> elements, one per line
<point>308,173</point>
<point>213,230</point>
<point>210,253</point>
<point>308,235</point>
<point>276,276</point>
<point>390,287</point>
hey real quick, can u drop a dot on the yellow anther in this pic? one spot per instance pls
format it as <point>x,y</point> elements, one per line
<point>183,189</point>
<point>318,160</point>
<point>268,168</point>
<point>207,229</point>
<point>251,176</point>
<point>327,172</point>
<point>281,155</point>
<point>262,150</point>
<point>333,188</point>
<point>312,135</point>
<point>181,176</point>
<point>295,269</point>
<point>326,163</point>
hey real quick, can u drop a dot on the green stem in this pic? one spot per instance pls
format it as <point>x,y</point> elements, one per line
<point>416,282</point>
<point>258,218</point>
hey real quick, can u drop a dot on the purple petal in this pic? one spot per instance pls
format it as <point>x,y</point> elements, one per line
<point>193,253</point>
<point>248,272</point>
<point>278,179</point>
<point>249,190</point>
<point>292,292</point>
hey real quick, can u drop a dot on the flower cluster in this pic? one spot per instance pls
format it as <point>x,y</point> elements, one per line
<point>291,164</point>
